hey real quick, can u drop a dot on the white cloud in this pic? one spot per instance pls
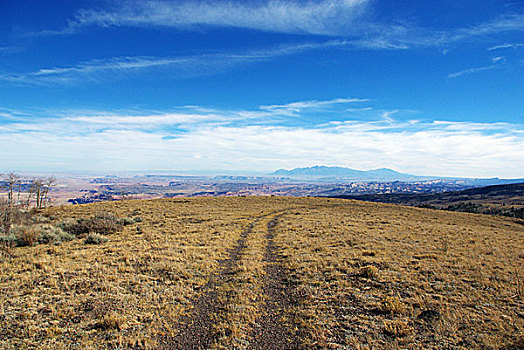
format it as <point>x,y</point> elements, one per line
<point>294,107</point>
<point>182,66</point>
<point>387,115</point>
<point>501,24</point>
<point>153,142</point>
<point>351,19</point>
<point>326,17</point>
<point>470,71</point>
<point>505,46</point>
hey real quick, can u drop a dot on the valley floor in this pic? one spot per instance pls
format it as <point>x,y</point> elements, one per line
<point>270,273</point>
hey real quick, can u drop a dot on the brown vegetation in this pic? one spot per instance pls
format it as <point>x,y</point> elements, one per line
<point>264,272</point>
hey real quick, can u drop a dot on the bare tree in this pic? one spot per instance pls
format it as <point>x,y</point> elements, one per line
<point>30,194</point>
<point>12,180</point>
<point>37,190</point>
<point>20,184</point>
<point>48,183</point>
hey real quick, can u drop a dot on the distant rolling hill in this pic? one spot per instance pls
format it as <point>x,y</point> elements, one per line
<point>507,200</point>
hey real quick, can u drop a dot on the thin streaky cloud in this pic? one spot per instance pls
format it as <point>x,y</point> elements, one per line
<point>182,66</point>
<point>314,103</point>
<point>473,71</point>
<point>505,46</point>
<point>186,117</point>
<point>503,23</point>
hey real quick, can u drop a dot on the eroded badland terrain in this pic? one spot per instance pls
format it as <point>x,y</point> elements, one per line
<point>267,273</point>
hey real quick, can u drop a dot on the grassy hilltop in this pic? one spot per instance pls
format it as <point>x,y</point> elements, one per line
<point>266,273</point>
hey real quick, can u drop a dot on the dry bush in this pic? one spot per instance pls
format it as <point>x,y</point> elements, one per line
<point>29,235</point>
<point>393,305</point>
<point>111,321</point>
<point>397,328</point>
<point>369,271</point>
<point>25,235</point>
<point>12,215</point>
<point>95,238</point>
<point>103,223</point>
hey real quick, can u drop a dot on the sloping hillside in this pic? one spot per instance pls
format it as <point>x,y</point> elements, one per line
<point>269,273</point>
<point>506,200</point>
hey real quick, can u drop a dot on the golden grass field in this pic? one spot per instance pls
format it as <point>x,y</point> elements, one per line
<point>269,273</point>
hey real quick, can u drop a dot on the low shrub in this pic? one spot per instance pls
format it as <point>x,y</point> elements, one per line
<point>39,219</point>
<point>8,240</point>
<point>111,321</point>
<point>67,224</point>
<point>393,305</point>
<point>95,238</point>
<point>52,234</point>
<point>397,328</point>
<point>369,271</point>
<point>104,223</point>
<point>127,221</point>
<point>25,235</point>
<point>29,235</point>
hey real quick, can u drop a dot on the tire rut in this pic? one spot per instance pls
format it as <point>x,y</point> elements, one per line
<point>276,328</point>
<point>197,330</point>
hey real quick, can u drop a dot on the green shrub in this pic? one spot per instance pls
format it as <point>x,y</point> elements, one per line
<point>95,238</point>
<point>52,234</point>
<point>29,235</point>
<point>67,224</point>
<point>8,240</point>
<point>39,219</point>
<point>137,219</point>
<point>127,221</point>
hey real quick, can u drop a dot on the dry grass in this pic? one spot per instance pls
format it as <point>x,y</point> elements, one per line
<point>385,276</point>
<point>369,276</point>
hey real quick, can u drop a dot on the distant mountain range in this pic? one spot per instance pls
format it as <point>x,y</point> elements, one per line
<point>319,171</point>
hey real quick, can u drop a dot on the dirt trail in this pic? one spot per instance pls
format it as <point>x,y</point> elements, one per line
<point>275,329</point>
<point>197,331</point>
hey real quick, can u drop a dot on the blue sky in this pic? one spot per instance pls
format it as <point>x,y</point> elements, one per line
<point>424,87</point>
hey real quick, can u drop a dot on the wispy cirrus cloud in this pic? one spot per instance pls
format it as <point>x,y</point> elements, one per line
<point>294,108</point>
<point>505,46</point>
<point>349,19</point>
<point>470,71</point>
<point>185,117</point>
<point>238,140</point>
<point>307,17</point>
<point>500,24</point>
<point>182,66</point>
